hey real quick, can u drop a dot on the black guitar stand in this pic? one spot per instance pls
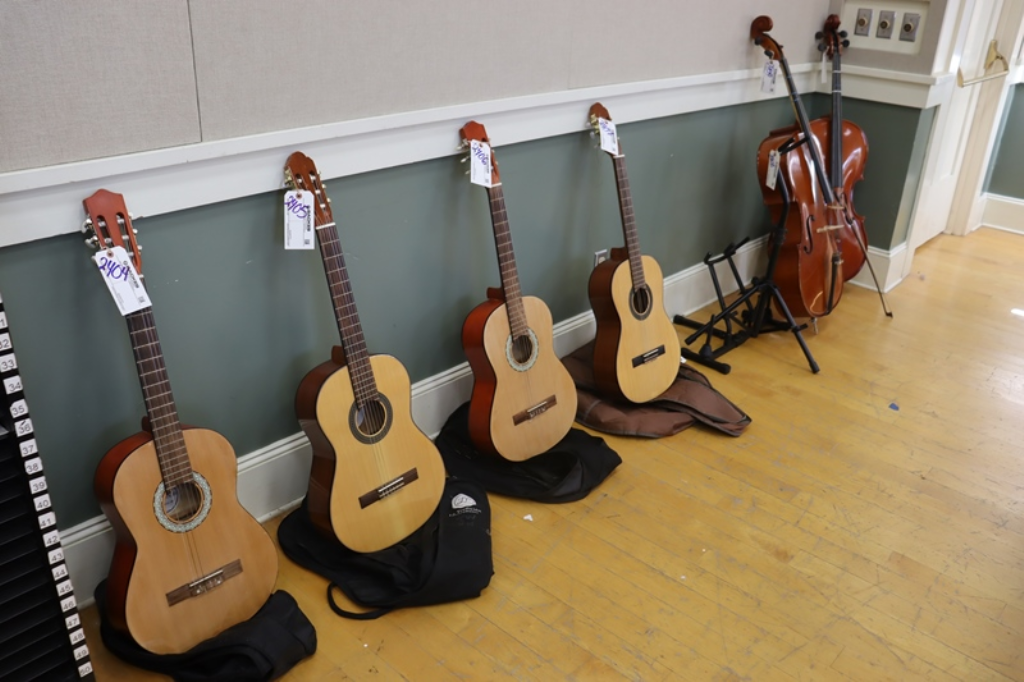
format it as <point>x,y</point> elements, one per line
<point>745,318</point>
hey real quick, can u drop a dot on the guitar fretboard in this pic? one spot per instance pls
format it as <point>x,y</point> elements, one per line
<point>175,467</point>
<point>636,268</point>
<point>507,262</point>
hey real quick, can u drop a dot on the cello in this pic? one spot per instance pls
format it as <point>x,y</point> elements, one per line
<point>809,271</point>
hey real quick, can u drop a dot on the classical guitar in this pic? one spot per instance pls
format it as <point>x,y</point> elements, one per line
<point>523,400</point>
<point>636,350</point>
<point>376,477</point>
<point>189,561</point>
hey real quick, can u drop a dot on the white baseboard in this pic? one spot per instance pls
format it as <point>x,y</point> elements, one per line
<point>273,479</point>
<point>888,266</point>
<point>1003,213</point>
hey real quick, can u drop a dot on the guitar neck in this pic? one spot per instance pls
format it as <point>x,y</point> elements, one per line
<point>175,467</point>
<point>357,358</point>
<point>507,262</point>
<point>636,268</point>
<point>837,122</point>
<point>805,128</point>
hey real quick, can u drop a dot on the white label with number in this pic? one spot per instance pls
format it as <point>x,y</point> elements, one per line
<point>24,427</point>
<point>609,137</point>
<point>298,220</point>
<point>29,447</point>
<point>37,485</point>
<point>64,588</point>
<point>768,77</point>
<point>42,502</point>
<point>122,280</point>
<point>8,362</point>
<point>5,341</point>
<point>773,169</point>
<point>60,571</point>
<point>81,652</point>
<point>55,555</point>
<point>480,163</point>
<point>85,669</point>
<point>12,384</point>
<point>19,408</point>
<point>33,466</point>
<point>73,621</point>
<point>47,520</point>
<point>3,320</point>
<point>67,604</point>
<point>52,538</point>
<point>76,636</point>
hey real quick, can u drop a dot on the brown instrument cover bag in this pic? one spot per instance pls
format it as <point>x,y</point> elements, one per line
<point>690,399</point>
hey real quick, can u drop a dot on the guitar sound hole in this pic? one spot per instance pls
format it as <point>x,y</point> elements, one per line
<point>183,502</point>
<point>371,418</point>
<point>522,348</point>
<point>640,301</point>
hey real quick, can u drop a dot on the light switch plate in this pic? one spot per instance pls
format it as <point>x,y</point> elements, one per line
<point>863,25</point>
<point>886,19</point>
<point>908,27</point>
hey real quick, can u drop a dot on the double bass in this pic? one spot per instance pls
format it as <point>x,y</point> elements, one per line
<point>809,272</point>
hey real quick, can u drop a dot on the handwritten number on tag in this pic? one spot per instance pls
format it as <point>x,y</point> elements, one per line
<point>609,137</point>
<point>773,169</point>
<point>768,77</point>
<point>480,163</point>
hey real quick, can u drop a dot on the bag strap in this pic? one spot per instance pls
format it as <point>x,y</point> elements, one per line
<point>353,615</point>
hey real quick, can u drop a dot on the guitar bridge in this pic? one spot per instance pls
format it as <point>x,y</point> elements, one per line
<point>208,582</point>
<point>644,358</point>
<point>389,488</point>
<point>535,411</point>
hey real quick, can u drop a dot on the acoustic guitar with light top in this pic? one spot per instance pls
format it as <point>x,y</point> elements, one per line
<point>189,561</point>
<point>523,399</point>
<point>376,477</point>
<point>636,351</point>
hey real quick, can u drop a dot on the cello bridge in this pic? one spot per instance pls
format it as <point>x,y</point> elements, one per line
<point>830,228</point>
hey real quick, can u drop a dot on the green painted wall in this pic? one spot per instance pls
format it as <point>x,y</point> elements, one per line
<point>242,320</point>
<point>1006,172</point>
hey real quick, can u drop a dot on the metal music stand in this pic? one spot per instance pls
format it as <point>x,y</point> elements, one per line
<point>750,313</point>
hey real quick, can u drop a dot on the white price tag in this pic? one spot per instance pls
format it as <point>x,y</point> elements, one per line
<point>480,163</point>
<point>55,555</point>
<point>609,138</point>
<point>8,362</point>
<point>37,485</point>
<point>768,77</point>
<point>73,621</point>
<point>33,466</point>
<point>298,220</point>
<point>42,502</point>
<point>19,408</point>
<point>5,341</point>
<point>24,427</point>
<point>3,320</point>
<point>29,447</point>
<point>47,520</point>
<point>12,385</point>
<point>50,539</point>
<point>773,169</point>
<point>67,604</point>
<point>122,280</point>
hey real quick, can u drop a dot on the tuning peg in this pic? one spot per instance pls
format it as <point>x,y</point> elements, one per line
<point>819,35</point>
<point>846,43</point>
<point>822,47</point>
<point>757,40</point>
<point>843,34</point>
<point>87,225</point>
<point>768,53</point>
<point>464,159</point>
<point>92,243</point>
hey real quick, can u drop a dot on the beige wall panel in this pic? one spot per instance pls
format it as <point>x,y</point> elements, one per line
<point>262,65</point>
<point>81,80</point>
<point>617,41</point>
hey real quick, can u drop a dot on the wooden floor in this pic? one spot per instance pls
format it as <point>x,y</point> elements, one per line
<point>869,525</point>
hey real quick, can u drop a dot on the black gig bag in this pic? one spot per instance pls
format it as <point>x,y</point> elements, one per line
<point>447,559</point>
<point>565,473</point>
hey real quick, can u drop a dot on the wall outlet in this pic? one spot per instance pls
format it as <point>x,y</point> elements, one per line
<point>863,25</point>
<point>600,257</point>
<point>908,27</point>
<point>886,19</point>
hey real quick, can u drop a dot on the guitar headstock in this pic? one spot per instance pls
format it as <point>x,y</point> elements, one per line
<point>598,112</point>
<point>300,173</point>
<point>476,131</point>
<point>109,224</point>
<point>759,28</point>
<point>831,39</point>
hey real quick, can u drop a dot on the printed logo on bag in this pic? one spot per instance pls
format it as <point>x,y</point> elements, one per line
<point>464,504</point>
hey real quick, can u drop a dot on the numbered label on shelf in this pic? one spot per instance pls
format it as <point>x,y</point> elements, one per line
<point>29,448</point>
<point>8,362</point>
<point>64,588</point>
<point>77,636</point>
<point>67,604</point>
<point>60,572</point>
<point>42,502</point>
<point>122,280</point>
<point>73,621</point>
<point>298,220</point>
<point>81,652</point>
<point>5,342</point>
<point>12,384</point>
<point>47,520</point>
<point>37,485</point>
<point>33,466</point>
<point>52,538</point>
<point>55,555</point>
<point>19,408</point>
<point>3,320</point>
<point>24,427</point>
<point>85,669</point>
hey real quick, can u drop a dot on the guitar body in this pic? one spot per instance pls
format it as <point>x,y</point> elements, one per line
<point>349,464</point>
<point>504,391</point>
<point>625,334</point>
<point>151,561</point>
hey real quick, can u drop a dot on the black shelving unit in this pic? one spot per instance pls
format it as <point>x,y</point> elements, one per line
<point>41,635</point>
